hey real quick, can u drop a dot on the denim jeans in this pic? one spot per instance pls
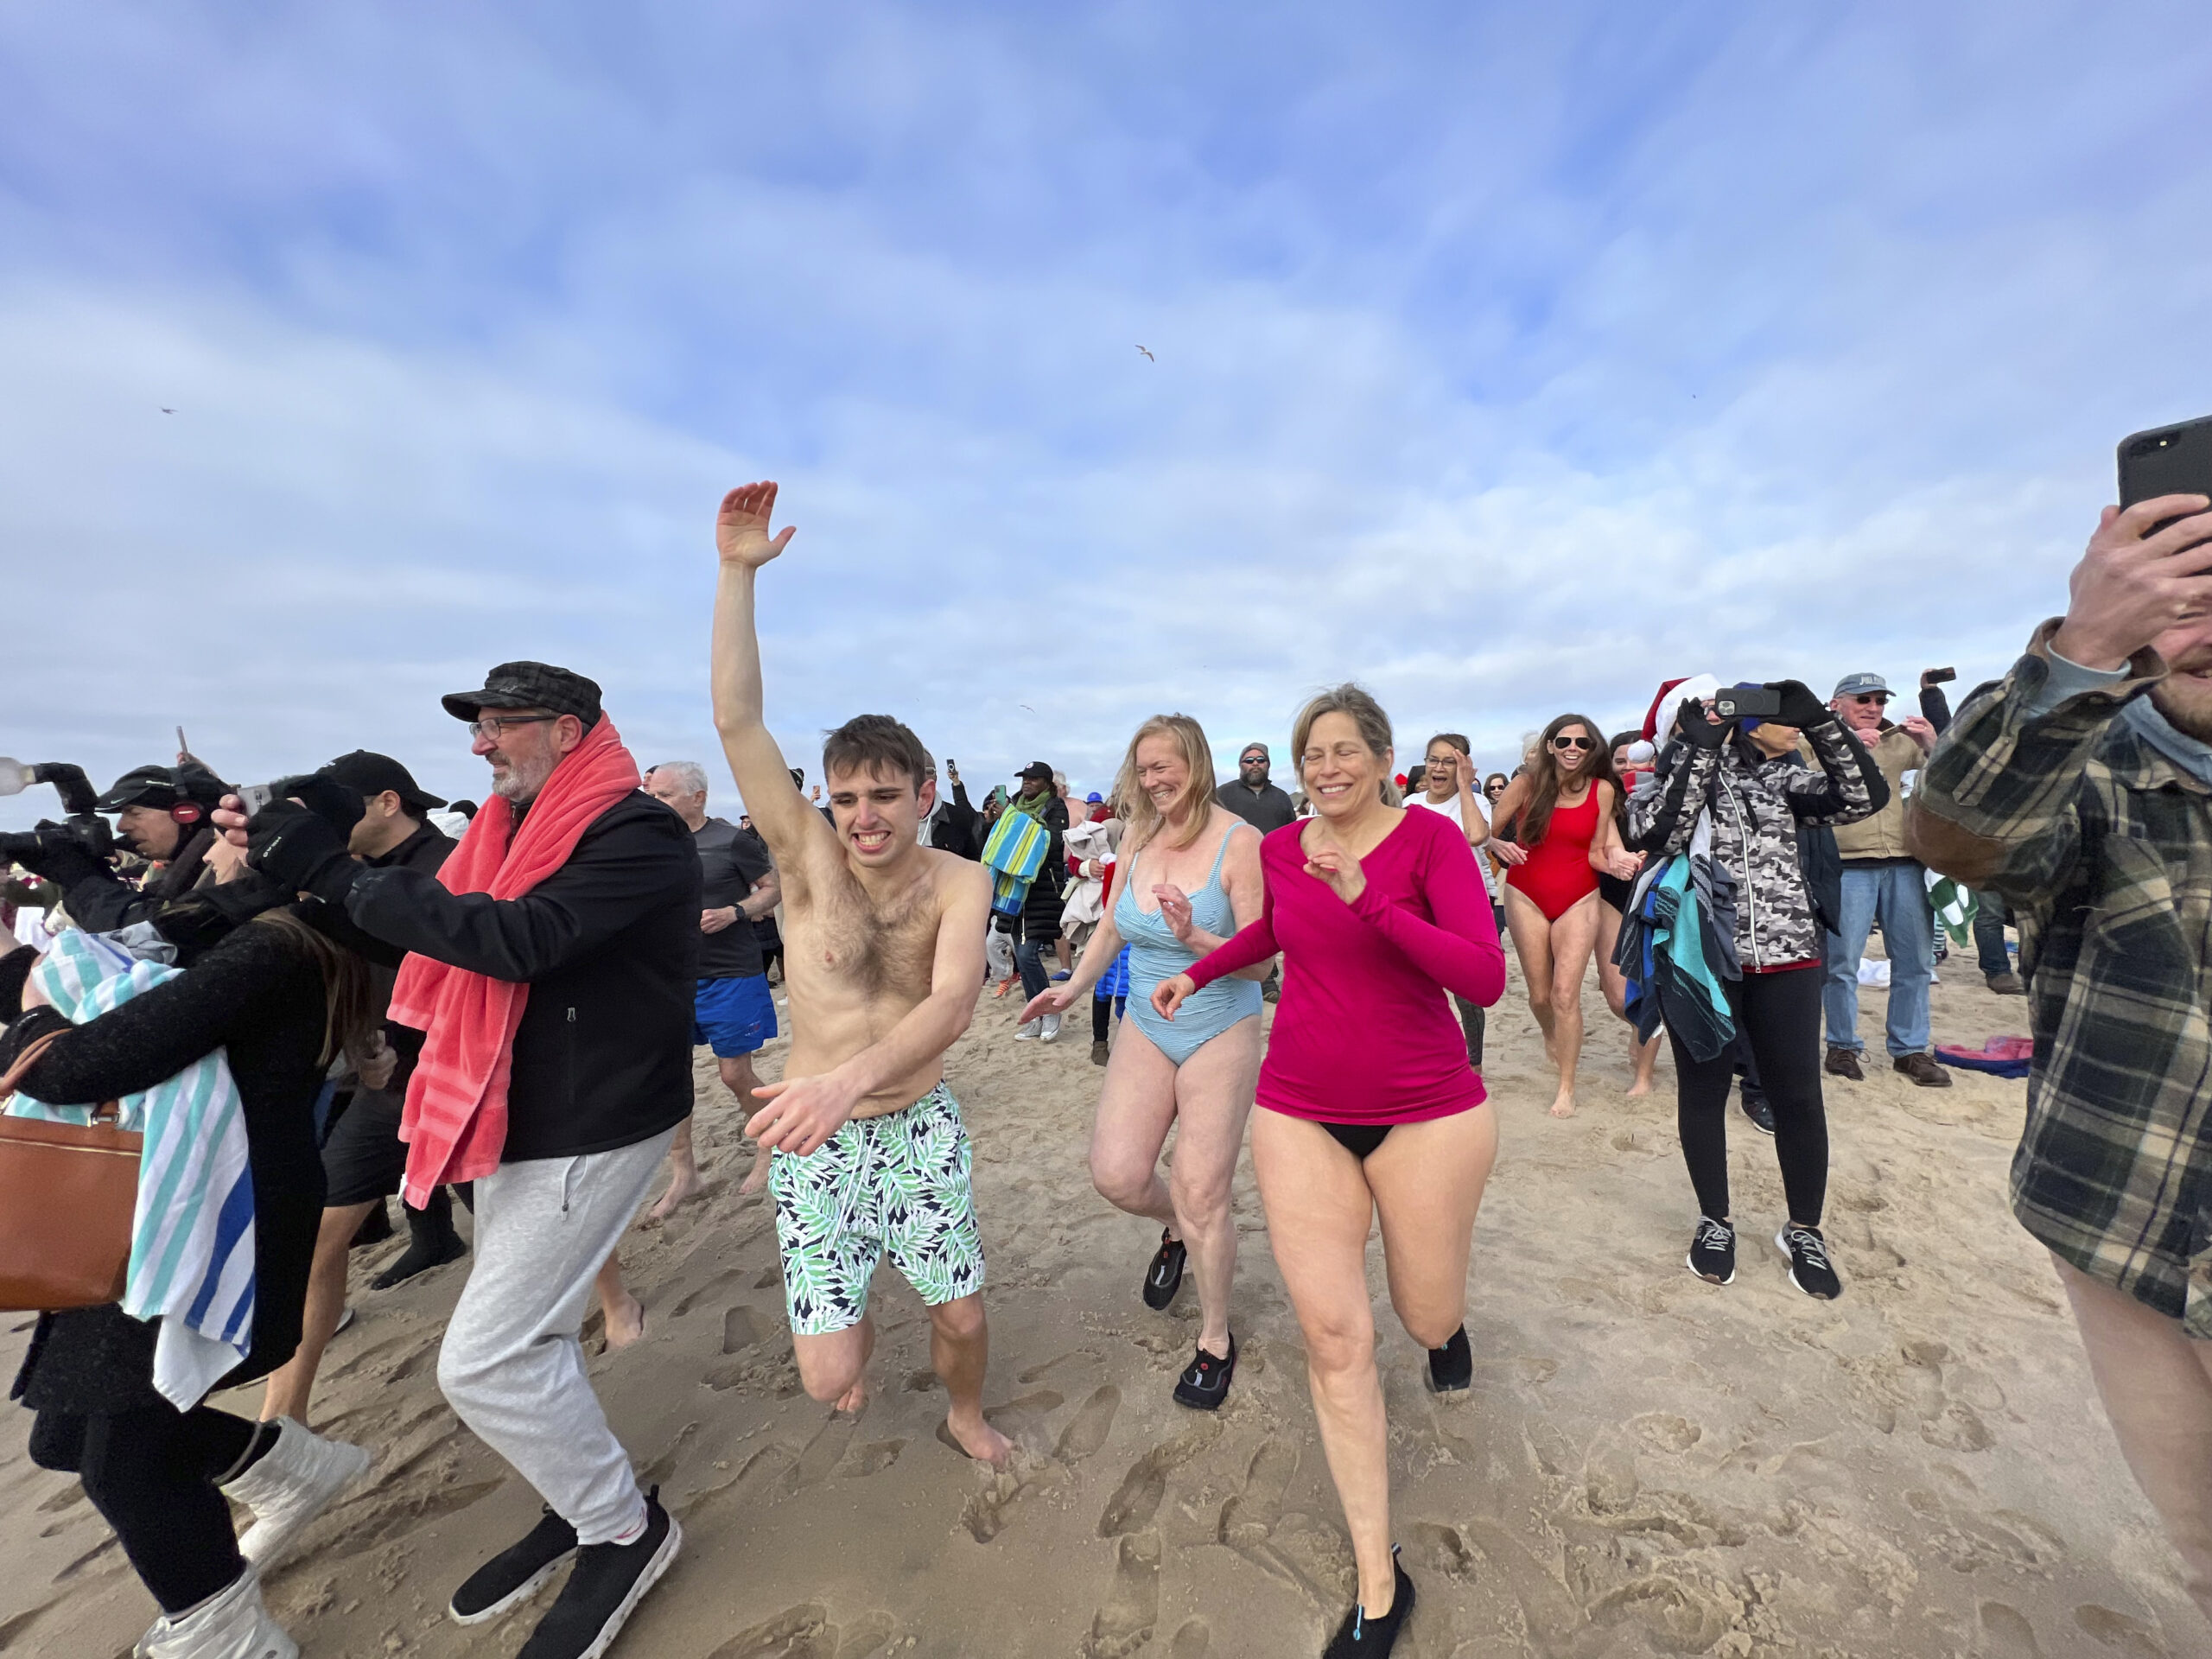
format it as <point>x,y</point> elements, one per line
<point>1029,958</point>
<point>1990,954</point>
<point>1897,894</point>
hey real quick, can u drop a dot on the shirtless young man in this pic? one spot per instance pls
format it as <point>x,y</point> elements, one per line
<point>883,953</point>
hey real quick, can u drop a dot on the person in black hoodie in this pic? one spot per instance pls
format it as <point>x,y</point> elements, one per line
<point>599,1077</point>
<point>162,816</point>
<point>282,1000</point>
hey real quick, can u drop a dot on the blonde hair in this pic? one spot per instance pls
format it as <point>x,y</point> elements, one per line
<point>1363,712</point>
<point>1143,818</point>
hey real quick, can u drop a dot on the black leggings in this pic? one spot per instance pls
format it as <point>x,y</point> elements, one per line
<point>151,1474</point>
<point>1103,1011</point>
<point>1779,1016</point>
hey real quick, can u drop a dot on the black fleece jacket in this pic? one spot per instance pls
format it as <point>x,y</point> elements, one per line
<point>609,946</point>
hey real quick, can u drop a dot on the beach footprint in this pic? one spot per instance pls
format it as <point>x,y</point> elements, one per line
<point>1249,1517</point>
<point>2007,1633</point>
<point>803,1632</point>
<point>2129,1638</point>
<point>1125,1623</point>
<point>1193,1641</point>
<point>1088,1429</point>
<point>1136,1500</point>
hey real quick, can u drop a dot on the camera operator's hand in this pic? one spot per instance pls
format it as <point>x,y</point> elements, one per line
<point>300,851</point>
<point>1800,706</point>
<point>2131,586</point>
<point>1695,722</point>
<point>56,852</point>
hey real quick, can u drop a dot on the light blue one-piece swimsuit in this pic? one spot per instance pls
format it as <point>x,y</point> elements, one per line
<point>1155,954</point>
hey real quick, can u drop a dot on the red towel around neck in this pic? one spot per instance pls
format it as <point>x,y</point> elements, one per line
<point>456,1120</point>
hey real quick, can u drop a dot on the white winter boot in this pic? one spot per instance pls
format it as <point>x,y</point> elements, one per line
<point>232,1625</point>
<point>296,1480</point>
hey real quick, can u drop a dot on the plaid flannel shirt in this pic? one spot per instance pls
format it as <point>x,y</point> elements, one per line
<point>2104,847</point>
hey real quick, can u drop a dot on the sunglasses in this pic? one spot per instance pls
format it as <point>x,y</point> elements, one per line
<point>1868,697</point>
<point>1574,743</point>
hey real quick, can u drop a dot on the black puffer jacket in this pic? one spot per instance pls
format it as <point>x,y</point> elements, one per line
<point>1758,803</point>
<point>259,996</point>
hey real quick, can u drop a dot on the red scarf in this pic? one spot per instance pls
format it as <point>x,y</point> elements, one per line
<point>455,1120</point>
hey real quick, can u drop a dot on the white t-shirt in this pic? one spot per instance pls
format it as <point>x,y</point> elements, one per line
<point>1449,808</point>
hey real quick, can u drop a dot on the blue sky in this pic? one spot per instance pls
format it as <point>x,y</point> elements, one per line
<point>1509,359</point>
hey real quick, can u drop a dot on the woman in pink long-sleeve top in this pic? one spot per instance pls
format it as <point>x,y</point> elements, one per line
<point>1367,1100</point>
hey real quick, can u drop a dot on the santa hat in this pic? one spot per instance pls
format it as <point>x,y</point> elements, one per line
<point>1659,723</point>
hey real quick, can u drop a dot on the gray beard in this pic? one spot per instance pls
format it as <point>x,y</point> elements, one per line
<point>2197,725</point>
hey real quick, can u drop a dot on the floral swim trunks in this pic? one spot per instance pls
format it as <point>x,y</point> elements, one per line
<point>895,1184</point>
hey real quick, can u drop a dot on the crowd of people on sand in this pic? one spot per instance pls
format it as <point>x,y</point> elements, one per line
<point>375,993</point>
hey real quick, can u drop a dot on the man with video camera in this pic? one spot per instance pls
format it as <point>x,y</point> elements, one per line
<point>161,813</point>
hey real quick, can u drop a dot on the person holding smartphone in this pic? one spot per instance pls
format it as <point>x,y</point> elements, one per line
<point>2077,789</point>
<point>1755,802</point>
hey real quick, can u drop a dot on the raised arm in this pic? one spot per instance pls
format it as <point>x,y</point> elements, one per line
<point>786,822</point>
<point>804,1112</point>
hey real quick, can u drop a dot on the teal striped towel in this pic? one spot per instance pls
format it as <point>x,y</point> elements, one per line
<point>1014,853</point>
<point>192,1237</point>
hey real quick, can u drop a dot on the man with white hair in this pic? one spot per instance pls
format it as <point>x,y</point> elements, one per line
<point>733,1012</point>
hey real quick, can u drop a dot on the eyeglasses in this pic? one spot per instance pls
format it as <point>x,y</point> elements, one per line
<point>1565,742</point>
<point>490,728</point>
<point>1868,697</point>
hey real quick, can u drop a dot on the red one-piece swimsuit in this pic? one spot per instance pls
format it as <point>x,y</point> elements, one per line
<point>1556,875</point>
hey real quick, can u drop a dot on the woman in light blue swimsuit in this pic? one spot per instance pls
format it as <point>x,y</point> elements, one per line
<point>1198,1072</point>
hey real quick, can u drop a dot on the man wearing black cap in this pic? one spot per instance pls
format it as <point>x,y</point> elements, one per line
<point>1039,796</point>
<point>558,955</point>
<point>363,1157</point>
<point>1252,798</point>
<point>162,816</point>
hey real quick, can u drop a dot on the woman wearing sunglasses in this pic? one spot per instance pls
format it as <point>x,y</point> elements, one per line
<point>1547,823</point>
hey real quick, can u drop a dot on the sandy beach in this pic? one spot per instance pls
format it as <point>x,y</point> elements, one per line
<point>1647,1464</point>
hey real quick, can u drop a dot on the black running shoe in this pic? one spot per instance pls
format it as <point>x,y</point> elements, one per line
<point>1452,1366</point>
<point>1760,1112</point>
<point>1204,1384</point>
<point>1712,1251</point>
<point>608,1582</point>
<point>1165,1276</point>
<point>516,1573</point>
<point>1362,1637</point>
<point>1811,1270</point>
<point>422,1253</point>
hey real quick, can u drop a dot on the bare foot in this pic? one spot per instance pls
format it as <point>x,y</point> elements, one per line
<point>855,1398</point>
<point>686,1187</point>
<point>1640,1088</point>
<point>626,1322</point>
<point>759,1176</point>
<point>977,1437</point>
<point>1563,1104</point>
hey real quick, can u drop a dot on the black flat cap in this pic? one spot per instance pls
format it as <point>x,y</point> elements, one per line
<point>371,774</point>
<point>529,685</point>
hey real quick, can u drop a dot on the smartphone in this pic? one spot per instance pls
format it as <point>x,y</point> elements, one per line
<point>254,797</point>
<point>1749,703</point>
<point>1940,676</point>
<point>2166,460</point>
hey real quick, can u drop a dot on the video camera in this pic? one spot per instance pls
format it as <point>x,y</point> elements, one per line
<point>84,826</point>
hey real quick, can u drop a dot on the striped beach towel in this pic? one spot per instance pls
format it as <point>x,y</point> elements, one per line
<point>191,1236</point>
<point>1014,853</point>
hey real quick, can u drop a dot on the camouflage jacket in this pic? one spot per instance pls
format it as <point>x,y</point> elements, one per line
<point>2103,844</point>
<point>1756,804</point>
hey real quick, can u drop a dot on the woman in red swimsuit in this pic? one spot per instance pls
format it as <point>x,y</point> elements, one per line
<point>1550,817</point>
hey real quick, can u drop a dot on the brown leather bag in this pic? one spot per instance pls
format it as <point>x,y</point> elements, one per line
<point>68,1194</point>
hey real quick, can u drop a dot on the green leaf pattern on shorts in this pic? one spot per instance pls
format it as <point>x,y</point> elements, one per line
<point>897,1185</point>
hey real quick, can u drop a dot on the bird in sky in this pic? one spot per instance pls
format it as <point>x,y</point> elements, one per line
<point>1149,357</point>
<point>169,412</point>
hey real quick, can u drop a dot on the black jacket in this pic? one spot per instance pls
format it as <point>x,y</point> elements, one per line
<point>609,946</point>
<point>259,997</point>
<point>99,901</point>
<point>957,828</point>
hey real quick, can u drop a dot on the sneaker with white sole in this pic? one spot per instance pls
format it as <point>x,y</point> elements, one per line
<point>230,1625</point>
<point>605,1586</point>
<point>1051,1033</point>
<point>296,1480</point>
<point>1811,1270</point>
<point>516,1573</point>
<point>1712,1251</point>
<point>1027,1031</point>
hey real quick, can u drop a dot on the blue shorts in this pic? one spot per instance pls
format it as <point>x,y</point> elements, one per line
<point>735,1015</point>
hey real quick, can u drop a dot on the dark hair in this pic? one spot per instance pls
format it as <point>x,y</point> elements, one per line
<point>1621,740</point>
<point>1543,792</point>
<point>347,1017</point>
<point>1453,737</point>
<point>878,745</point>
<point>1495,778</point>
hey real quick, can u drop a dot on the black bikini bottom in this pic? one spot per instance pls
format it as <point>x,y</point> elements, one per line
<point>1358,1139</point>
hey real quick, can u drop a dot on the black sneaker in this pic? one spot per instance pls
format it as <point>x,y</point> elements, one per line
<point>1362,1637</point>
<point>1712,1251</point>
<point>1811,1270</point>
<point>1204,1384</point>
<point>516,1573</point>
<point>432,1243</point>
<point>1165,1276</point>
<point>607,1585</point>
<point>1452,1366</point>
<point>1760,1112</point>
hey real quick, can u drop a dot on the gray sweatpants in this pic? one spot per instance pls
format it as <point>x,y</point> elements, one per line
<point>513,1367</point>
